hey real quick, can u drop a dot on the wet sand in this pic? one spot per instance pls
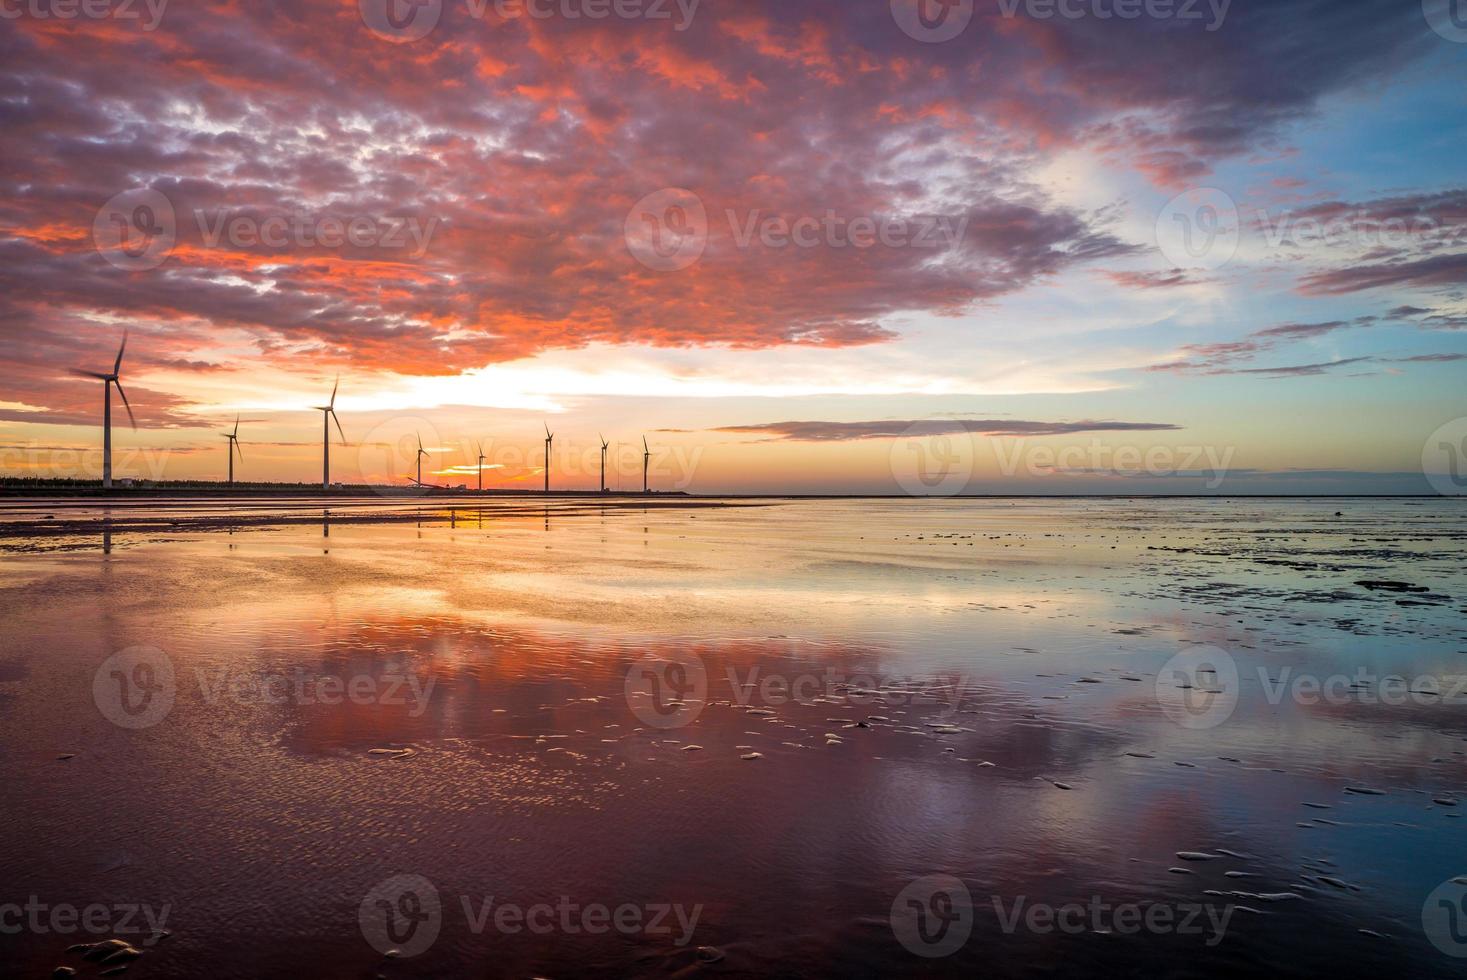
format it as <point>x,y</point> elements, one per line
<point>784,716</point>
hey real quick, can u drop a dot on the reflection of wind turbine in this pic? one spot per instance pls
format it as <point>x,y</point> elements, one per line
<point>646,458</point>
<point>328,415</point>
<point>549,438</point>
<point>108,380</point>
<point>421,453</point>
<point>233,438</point>
<point>604,444</point>
<point>480,447</point>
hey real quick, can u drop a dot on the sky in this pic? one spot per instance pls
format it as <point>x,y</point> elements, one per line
<point>809,246</point>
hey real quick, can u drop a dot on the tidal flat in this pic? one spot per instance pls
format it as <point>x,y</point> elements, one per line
<point>798,738</point>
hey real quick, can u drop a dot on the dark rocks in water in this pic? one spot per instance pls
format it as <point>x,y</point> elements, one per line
<point>1180,871</point>
<point>1386,585</point>
<point>1364,791</point>
<point>1443,801</point>
<point>66,756</point>
<point>709,954</point>
<point>125,955</point>
<point>751,756</point>
<point>104,949</point>
<point>1195,856</point>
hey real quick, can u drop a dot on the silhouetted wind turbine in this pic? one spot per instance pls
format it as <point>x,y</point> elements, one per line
<point>421,453</point>
<point>108,380</point>
<point>479,446</point>
<point>604,444</point>
<point>233,438</point>
<point>549,438</point>
<point>328,415</point>
<point>646,458</point>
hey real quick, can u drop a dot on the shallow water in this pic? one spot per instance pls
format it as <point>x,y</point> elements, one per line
<point>983,690</point>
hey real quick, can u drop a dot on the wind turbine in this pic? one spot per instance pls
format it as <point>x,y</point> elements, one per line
<point>604,444</point>
<point>328,415</point>
<point>646,458</point>
<point>108,380</point>
<point>421,453</point>
<point>549,438</point>
<point>479,446</point>
<point>233,438</point>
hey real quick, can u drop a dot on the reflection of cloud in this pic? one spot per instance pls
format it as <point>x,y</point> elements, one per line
<point>846,431</point>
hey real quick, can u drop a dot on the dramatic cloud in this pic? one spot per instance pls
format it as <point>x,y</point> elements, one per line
<point>848,431</point>
<point>490,168</point>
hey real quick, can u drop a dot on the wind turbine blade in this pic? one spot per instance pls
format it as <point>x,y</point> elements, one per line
<point>238,450</point>
<point>117,367</point>
<point>87,374</point>
<point>236,425</point>
<point>645,448</point>
<point>333,391</point>
<point>547,429</point>
<point>124,402</point>
<point>338,426</point>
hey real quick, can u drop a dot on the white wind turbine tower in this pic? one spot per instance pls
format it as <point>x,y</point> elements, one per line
<point>421,453</point>
<point>549,438</point>
<point>327,417</point>
<point>646,459</point>
<point>233,438</point>
<point>479,446</point>
<point>108,380</point>
<point>604,444</point>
